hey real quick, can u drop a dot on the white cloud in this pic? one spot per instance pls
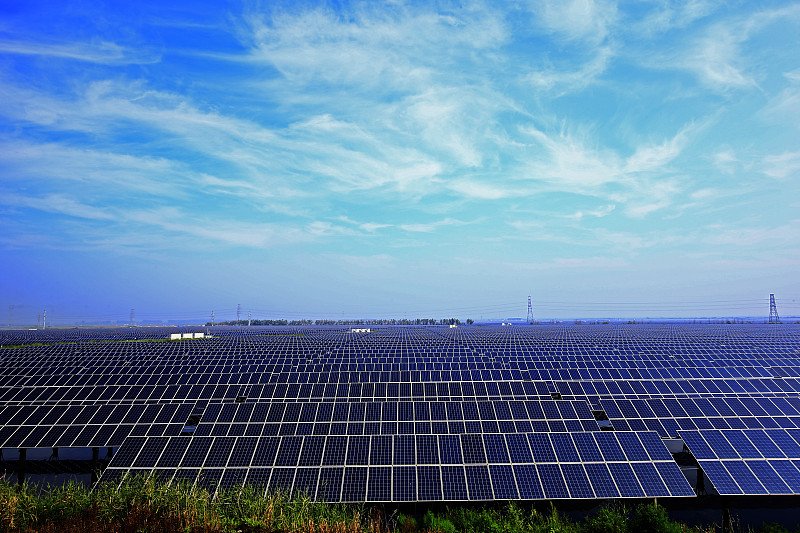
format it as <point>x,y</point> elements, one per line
<point>787,234</point>
<point>577,20</point>
<point>782,166</point>
<point>726,160</point>
<point>480,190</point>
<point>102,52</point>
<point>716,57</point>
<point>670,15</point>
<point>596,213</point>
<point>57,203</point>
<point>430,227</point>
<point>563,81</point>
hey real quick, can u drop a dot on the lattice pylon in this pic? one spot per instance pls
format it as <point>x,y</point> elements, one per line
<point>530,311</point>
<point>773,311</point>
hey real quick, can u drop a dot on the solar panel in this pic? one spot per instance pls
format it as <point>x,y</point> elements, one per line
<point>470,404</point>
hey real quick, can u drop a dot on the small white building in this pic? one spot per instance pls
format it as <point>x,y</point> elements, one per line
<point>360,330</point>
<point>199,335</point>
<point>175,336</point>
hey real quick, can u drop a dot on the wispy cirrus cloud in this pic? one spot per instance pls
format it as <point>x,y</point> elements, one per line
<point>429,227</point>
<point>782,166</point>
<point>577,20</point>
<point>561,135</point>
<point>716,56</point>
<point>102,52</point>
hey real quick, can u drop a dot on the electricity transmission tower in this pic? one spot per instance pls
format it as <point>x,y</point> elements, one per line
<point>238,313</point>
<point>530,311</point>
<point>773,311</point>
<point>133,317</point>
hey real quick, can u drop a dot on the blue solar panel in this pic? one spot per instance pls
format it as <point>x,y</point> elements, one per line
<point>430,483</point>
<point>587,447</point>
<point>632,446</point>
<point>289,451</point>
<point>454,485</point>
<point>381,450</point>
<point>626,480</point>
<point>266,449</point>
<point>601,480</point>
<point>404,483</point>
<point>503,483</point>
<point>305,482</point>
<point>564,447</point>
<point>311,453</point>
<point>528,482</point>
<point>427,450</point>
<point>655,447</point>
<point>577,481</point>
<point>281,480</point>
<point>698,445</point>
<point>354,487</point>
<point>472,448</point>
<point>552,481</point>
<point>764,444</point>
<point>496,451</point>
<point>258,477</point>
<point>335,450</point>
<point>768,477</point>
<point>674,479</point>
<point>744,477</point>
<point>330,484</point>
<point>379,484</point>
<point>478,482</point>
<point>609,446</point>
<point>358,450</point>
<point>788,473</point>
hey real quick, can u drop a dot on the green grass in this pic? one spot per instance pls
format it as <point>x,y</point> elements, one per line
<point>141,504</point>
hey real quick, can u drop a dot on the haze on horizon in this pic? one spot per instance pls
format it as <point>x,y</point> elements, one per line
<point>399,159</point>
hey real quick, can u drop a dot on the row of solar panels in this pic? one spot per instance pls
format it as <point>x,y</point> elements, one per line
<point>702,407</point>
<point>425,467</point>
<point>83,374</point>
<point>411,357</point>
<point>341,450</point>
<point>655,408</point>
<point>455,391</point>
<point>437,483</point>
<point>748,461</point>
<point>309,412</point>
<point>87,377</point>
<point>670,427</point>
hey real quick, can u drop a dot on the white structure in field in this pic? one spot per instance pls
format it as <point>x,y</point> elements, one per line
<point>453,326</point>
<point>179,336</point>
<point>360,330</point>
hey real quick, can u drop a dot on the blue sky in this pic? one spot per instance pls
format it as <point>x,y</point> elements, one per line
<point>371,159</point>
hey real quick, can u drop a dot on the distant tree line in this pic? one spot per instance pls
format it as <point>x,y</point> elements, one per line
<point>350,322</point>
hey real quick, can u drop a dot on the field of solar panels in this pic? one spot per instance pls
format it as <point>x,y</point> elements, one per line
<point>417,414</point>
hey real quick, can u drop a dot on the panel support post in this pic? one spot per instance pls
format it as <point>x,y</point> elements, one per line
<point>726,515</point>
<point>95,463</point>
<point>23,455</point>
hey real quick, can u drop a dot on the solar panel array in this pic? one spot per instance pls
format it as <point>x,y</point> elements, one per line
<point>419,413</point>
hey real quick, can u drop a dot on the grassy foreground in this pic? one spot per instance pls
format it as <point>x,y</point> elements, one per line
<point>143,504</point>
